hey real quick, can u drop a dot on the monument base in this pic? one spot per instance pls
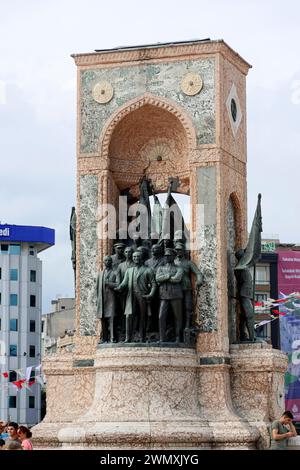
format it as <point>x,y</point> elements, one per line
<point>156,398</point>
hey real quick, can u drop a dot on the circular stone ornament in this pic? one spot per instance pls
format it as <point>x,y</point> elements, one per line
<point>191,84</point>
<point>103,92</point>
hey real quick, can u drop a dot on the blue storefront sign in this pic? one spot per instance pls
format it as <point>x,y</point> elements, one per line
<point>43,236</point>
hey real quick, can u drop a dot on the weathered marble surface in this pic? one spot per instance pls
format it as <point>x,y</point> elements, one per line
<point>151,398</point>
<point>257,380</point>
<point>88,249</point>
<point>160,80</point>
<point>206,197</point>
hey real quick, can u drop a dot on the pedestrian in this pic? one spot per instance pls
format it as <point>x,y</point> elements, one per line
<point>24,436</point>
<point>13,445</point>
<point>281,430</point>
<point>12,429</point>
<point>3,433</point>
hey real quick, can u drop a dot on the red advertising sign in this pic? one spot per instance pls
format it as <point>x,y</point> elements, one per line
<point>288,271</point>
<point>288,283</point>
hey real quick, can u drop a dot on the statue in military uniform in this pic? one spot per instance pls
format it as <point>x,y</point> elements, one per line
<point>245,297</point>
<point>188,268</point>
<point>169,278</point>
<point>118,257</point>
<point>157,259</point>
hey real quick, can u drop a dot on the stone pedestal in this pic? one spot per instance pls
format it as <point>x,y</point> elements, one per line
<point>161,398</point>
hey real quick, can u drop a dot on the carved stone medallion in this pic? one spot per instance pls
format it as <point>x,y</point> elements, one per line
<point>191,84</point>
<point>103,92</point>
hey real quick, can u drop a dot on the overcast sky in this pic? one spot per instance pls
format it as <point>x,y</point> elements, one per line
<point>37,101</point>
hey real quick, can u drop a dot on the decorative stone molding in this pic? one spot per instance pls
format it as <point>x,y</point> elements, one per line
<point>162,52</point>
<point>103,92</point>
<point>146,99</point>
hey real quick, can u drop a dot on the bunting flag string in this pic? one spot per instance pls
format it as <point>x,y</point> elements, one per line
<point>283,306</point>
<point>26,378</point>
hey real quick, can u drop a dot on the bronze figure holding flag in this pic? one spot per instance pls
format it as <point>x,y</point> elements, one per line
<point>245,284</point>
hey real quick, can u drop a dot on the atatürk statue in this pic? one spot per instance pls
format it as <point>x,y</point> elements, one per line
<point>149,298</point>
<point>139,281</point>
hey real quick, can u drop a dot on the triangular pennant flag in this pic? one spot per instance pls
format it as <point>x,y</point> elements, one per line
<point>28,372</point>
<point>40,380</point>
<point>20,372</point>
<point>5,374</point>
<point>19,383</point>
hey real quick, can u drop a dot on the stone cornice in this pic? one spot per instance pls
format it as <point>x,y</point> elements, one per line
<point>142,54</point>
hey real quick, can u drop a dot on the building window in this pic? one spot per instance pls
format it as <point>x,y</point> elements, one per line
<point>12,402</point>
<point>13,274</point>
<point>264,332</point>
<point>32,375</point>
<point>42,326</point>
<point>0,273</point>
<point>31,402</point>
<point>0,298</point>
<point>31,250</point>
<point>13,324</point>
<point>14,249</point>
<point>4,248</point>
<point>262,275</point>
<point>13,299</point>
<point>32,275</point>
<point>0,324</point>
<point>31,351</point>
<point>32,326</point>
<point>63,307</point>
<point>32,301</point>
<point>261,297</point>
<point>13,350</point>
<point>12,376</point>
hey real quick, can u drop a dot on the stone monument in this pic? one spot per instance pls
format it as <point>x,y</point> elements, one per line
<point>151,113</point>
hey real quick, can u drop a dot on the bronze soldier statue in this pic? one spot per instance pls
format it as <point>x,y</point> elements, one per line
<point>188,268</point>
<point>157,259</point>
<point>128,263</point>
<point>245,297</point>
<point>118,257</point>
<point>169,278</point>
<point>106,301</point>
<point>141,286</point>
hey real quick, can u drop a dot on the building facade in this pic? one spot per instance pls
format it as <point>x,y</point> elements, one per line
<point>270,283</point>
<point>20,319</point>
<point>58,326</point>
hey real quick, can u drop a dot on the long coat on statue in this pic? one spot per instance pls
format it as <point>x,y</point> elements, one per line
<point>106,297</point>
<point>145,282</point>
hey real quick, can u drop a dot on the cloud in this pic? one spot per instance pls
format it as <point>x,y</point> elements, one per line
<point>38,118</point>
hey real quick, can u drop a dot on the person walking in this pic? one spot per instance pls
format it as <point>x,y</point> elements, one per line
<point>281,430</point>
<point>24,436</point>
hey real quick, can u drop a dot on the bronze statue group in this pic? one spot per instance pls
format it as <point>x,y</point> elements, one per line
<point>144,293</point>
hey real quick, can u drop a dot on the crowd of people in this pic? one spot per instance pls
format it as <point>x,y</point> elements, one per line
<point>14,437</point>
